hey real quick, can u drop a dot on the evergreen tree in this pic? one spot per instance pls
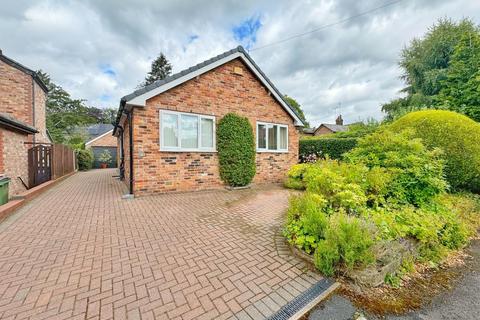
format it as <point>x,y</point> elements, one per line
<point>160,69</point>
<point>461,88</point>
<point>426,64</point>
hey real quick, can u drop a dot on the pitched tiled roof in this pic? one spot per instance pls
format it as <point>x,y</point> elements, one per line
<point>335,127</point>
<point>95,130</point>
<point>199,66</point>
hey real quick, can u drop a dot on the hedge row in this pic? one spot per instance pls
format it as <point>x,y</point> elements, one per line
<point>333,147</point>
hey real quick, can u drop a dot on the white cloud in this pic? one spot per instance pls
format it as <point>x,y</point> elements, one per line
<point>352,64</point>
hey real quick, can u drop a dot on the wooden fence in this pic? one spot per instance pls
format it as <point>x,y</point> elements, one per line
<point>63,160</point>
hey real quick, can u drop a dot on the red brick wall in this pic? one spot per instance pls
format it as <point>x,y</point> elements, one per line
<point>40,114</point>
<point>323,130</point>
<point>105,141</point>
<point>15,93</point>
<point>15,160</point>
<point>1,152</point>
<point>214,93</point>
<point>16,97</point>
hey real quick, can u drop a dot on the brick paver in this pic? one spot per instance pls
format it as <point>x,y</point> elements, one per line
<point>79,251</point>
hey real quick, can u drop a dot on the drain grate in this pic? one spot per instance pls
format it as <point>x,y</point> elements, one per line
<point>302,300</point>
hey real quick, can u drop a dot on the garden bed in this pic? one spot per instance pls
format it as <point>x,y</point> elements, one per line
<point>383,210</point>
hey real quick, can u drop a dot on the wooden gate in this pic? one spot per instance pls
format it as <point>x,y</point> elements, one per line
<point>39,165</point>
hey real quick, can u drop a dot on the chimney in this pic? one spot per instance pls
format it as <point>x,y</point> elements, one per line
<point>339,120</point>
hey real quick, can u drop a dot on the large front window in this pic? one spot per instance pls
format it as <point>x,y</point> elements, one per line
<point>186,131</point>
<point>272,137</point>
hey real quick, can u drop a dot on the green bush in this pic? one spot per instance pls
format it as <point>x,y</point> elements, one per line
<point>389,188</point>
<point>417,173</point>
<point>332,147</point>
<point>236,150</point>
<point>458,137</point>
<point>295,176</point>
<point>306,221</point>
<point>347,244</point>
<point>85,159</point>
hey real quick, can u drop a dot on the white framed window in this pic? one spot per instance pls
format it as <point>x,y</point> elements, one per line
<point>272,137</point>
<point>186,132</point>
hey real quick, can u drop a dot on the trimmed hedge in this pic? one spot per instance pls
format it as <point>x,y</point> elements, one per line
<point>333,147</point>
<point>457,135</point>
<point>85,159</point>
<point>236,150</point>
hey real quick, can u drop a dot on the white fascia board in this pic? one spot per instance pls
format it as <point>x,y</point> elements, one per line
<point>99,137</point>
<point>141,100</point>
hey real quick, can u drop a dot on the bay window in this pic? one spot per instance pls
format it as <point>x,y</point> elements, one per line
<point>181,131</point>
<point>272,137</point>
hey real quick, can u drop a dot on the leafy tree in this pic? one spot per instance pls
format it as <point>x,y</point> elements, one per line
<point>106,115</point>
<point>62,111</point>
<point>426,64</point>
<point>160,69</point>
<point>461,88</point>
<point>298,108</point>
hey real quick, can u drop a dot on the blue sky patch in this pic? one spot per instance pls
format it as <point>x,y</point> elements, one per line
<point>246,31</point>
<point>107,69</point>
<point>192,38</point>
<point>105,97</point>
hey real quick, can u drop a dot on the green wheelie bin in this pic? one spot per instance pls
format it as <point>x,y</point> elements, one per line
<point>4,190</point>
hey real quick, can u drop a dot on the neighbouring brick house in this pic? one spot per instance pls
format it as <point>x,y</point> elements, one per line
<point>169,126</point>
<point>22,120</point>
<point>326,128</point>
<point>100,139</point>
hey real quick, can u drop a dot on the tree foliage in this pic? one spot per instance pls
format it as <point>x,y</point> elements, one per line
<point>64,113</point>
<point>160,69</point>
<point>298,108</point>
<point>236,150</point>
<point>461,89</point>
<point>428,64</point>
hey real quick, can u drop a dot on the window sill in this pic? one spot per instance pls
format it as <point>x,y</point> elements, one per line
<point>189,150</point>
<point>272,151</point>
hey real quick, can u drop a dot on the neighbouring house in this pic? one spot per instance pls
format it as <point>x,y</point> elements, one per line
<point>166,131</point>
<point>22,120</point>
<point>100,140</point>
<point>326,128</point>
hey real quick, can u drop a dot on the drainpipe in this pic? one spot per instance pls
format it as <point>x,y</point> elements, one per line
<point>33,107</point>
<point>122,153</point>
<point>130,133</point>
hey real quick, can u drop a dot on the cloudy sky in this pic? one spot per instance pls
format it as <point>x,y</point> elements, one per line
<point>101,50</point>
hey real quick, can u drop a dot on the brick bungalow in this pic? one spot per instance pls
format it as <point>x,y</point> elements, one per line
<point>169,126</point>
<point>22,120</point>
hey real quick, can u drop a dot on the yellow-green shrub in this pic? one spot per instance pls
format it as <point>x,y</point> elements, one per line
<point>416,172</point>
<point>457,135</point>
<point>306,221</point>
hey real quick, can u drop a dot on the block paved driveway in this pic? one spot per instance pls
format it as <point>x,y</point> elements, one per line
<point>79,251</point>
